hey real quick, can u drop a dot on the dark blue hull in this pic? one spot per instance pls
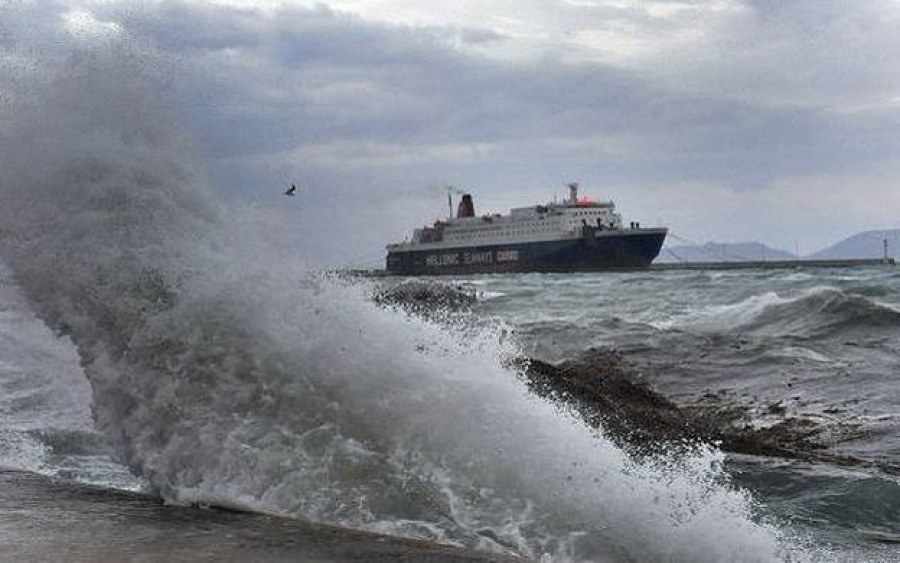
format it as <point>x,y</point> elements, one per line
<point>618,250</point>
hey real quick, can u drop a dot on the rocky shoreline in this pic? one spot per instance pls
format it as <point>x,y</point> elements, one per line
<point>609,394</point>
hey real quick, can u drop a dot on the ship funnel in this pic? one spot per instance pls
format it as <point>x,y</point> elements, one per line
<point>573,193</point>
<point>466,207</point>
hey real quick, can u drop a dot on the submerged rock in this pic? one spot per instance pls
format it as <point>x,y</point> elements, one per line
<point>609,394</point>
<point>426,297</point>
<point>601,388</point>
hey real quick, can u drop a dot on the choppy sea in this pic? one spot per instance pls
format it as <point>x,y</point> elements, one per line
<point>156,339</point>
<point>342,412</point>
<point>817,345</point>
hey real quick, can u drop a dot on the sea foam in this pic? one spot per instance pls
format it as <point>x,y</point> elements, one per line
<point>225,371</point>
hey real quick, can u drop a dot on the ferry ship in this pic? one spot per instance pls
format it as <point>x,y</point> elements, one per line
<point>579,234</point>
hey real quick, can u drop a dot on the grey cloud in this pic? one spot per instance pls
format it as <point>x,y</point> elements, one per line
<point>25,28</point>
<point>808,52</point>
<point>260,84</point>
<point>189,29</point>
<point>312,76</point>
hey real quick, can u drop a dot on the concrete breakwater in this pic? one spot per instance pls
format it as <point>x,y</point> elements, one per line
<point>772,264</point>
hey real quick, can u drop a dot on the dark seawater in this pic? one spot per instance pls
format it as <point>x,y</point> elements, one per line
<point>818,342</point>
<point>156,338</point>
<point>809,344</point>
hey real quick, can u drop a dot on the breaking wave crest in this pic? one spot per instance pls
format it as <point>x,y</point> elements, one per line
<point>816,312</point>
<point>824,311</point>
<point>226,372</point>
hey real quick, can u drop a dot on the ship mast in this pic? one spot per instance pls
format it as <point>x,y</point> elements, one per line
<point>450,191</point>
<point>573,193</point>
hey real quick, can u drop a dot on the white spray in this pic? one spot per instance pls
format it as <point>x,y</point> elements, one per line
<point>224,372</point>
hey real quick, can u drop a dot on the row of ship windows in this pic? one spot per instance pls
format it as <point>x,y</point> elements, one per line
<point>496,234</point>
<point>495,230</point>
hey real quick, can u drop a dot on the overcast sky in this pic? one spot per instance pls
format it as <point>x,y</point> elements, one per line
<point>724,120</point>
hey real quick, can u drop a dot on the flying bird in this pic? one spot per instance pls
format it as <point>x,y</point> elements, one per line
<point>291,190</point>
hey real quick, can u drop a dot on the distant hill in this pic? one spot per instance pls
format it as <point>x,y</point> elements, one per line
<point>723,252</point>
<point>869,244</point>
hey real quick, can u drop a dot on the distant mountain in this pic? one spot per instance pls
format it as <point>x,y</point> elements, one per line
<point>723,252</point>
<point>869,244</point>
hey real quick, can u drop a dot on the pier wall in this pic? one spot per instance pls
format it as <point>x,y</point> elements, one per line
<point>771,264</point>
